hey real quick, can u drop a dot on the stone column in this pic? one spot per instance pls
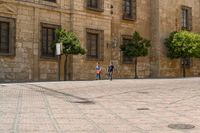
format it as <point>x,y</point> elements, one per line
<point>70,72</point>
<point>155,38</point>
<point>116,36</point>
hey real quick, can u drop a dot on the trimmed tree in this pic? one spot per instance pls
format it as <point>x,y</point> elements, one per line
<point>183,45</point>
<point>136,47</point>
<point>70,45</point>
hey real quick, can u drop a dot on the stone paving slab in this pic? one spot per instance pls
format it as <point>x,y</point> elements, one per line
<point>118,106</point>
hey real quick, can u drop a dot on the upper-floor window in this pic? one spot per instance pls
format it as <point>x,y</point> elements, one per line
<point>51,1</point>
<point>93,3</point>
<point>96,5</point>
<point>48,37</point>
<point>129,9</point>
<point>186,18</point>
<point>126,59</point>
<point>7,36</point>
<point>94,44</point>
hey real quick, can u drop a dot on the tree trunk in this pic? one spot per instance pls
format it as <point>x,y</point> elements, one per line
<point>183,63</point>
<point>59,58</point>
<point>65,68</point>
<point>136,68</point>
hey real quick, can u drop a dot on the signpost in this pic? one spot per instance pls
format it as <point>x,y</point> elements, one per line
<point>58,53</point>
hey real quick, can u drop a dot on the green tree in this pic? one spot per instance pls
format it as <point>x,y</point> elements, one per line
<point>183,45</point>
<point>70,45</point>
<point>136,47</point>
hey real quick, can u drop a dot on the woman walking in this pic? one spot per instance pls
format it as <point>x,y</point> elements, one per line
<point>98,71</point>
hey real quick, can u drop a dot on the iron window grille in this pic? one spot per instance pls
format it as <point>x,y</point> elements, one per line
<point>48,38</point>
<point>129,9</point>
<point>125,58</point>
<point>94,44</point>
<point>186,18</point>
<point>95,5</point>
<point>7,36</point>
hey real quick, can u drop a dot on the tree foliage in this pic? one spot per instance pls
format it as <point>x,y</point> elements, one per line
<point>70,45</point>
<point>70,42</point>
<point>183,44</point>
<point>136,47</point>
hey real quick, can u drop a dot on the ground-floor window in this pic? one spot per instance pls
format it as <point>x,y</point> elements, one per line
<point>126,59</point>
<point>94,44</point>
<point>7,36</point>
<point>48,37</point>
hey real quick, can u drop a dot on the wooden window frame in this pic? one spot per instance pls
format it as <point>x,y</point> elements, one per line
<point>11,35</point>
<point>98,8</point>
<point>133,7</point>
<point>47,26</point>
<point>127,37</point>
<point>186,22</point>
<point>100,44</point>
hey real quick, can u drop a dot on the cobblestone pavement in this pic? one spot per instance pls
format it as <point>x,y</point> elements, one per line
<point>118,106</point>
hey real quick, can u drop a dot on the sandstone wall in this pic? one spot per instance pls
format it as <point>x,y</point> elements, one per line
<point>170,20</point>
<point>114,27</point>
<point>19,66</point>
<point>27,63</point>
<point>125,27</point>
<point>155,20</point>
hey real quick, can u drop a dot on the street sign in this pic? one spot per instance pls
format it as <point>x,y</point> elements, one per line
<point>58,48</point>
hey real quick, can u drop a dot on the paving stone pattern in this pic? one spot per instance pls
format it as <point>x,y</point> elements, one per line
<point>118,106</point>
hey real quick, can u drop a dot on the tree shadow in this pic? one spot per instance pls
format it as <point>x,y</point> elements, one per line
<point>58,94</point>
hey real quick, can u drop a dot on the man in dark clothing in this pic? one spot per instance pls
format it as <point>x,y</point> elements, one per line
<point>110,70</point>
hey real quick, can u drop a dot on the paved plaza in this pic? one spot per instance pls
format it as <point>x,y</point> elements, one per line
<point>118,106</point>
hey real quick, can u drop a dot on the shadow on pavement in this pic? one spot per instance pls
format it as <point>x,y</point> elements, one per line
<point>59,94</point>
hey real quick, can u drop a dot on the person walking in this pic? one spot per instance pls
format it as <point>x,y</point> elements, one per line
<point>98,71</point>
<point>110,70</point>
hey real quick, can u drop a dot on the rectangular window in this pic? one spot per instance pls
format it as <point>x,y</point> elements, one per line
<point>96,5</point>
<point>7,36</point>
<point>94,44</point>
<point>126,59</point>
<point>48,37</point>
<point>93,3</point>
<point>129,10</point>
<point>186,62</point>
<point>4,37</point>
<point>186,18</point>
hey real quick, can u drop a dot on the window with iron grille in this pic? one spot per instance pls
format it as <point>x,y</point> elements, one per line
<point>96,5</point>
<point>129,9</point>
<point>4,37</point>
<point>7,36</point>
<point>94,44</point>
<point>186,62</point>
<point>186,18</point>
<point>48,37</point>
<point>126,59</point>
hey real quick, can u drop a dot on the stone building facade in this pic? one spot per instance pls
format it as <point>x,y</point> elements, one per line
<point>27,30</point>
